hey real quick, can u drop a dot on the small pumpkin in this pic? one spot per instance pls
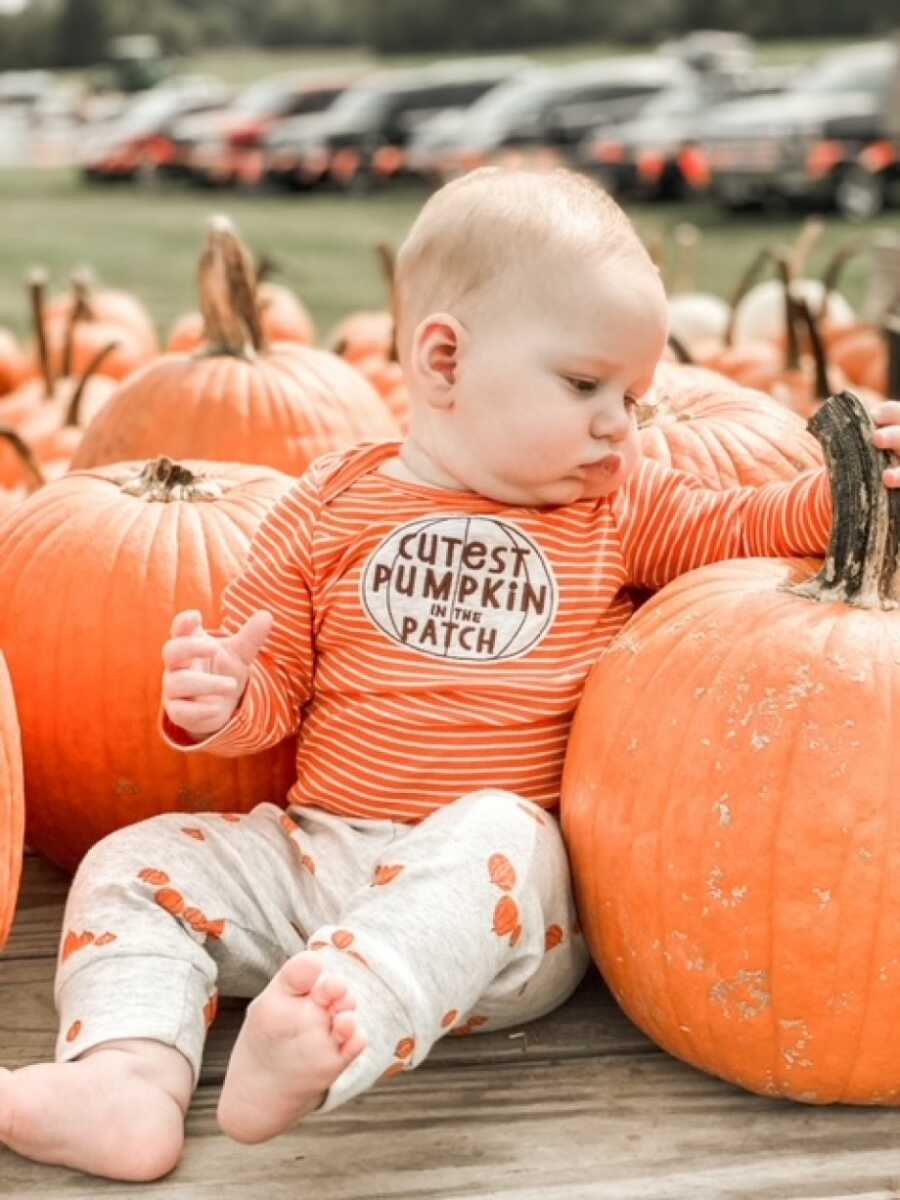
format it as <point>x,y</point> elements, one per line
<point>14,365</point>
<point>27,474</point>
<point>111,306</point>
<point>12,804</point>
<point>730,805</point>
<point>367,334</point>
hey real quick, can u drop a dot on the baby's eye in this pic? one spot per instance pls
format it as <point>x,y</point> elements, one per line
<point>584,387</point>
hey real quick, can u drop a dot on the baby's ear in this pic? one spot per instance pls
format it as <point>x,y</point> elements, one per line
<point>437,343</point>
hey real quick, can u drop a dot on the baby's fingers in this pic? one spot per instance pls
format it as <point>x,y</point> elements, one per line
<point>197,716</point>
<point>181,651</point>
<point>185,623</point>
<point>195,685</point>
<point>887,413</point>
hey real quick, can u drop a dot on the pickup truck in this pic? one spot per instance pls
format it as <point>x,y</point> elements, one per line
<point>830,140</point>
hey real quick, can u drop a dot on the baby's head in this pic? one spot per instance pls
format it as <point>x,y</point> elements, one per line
<point>529,318</point>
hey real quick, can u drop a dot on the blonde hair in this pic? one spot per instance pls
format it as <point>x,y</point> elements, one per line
<point>478,228</point>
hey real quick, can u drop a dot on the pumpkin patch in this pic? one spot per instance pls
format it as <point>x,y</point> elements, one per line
<point>732,840</point>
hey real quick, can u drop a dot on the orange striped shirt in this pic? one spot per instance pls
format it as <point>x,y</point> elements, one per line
<point>429,643</point>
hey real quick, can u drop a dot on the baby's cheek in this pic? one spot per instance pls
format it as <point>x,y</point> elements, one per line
<point>631,453</point>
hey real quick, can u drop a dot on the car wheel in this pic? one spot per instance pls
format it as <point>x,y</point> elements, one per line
<point>859,195</point>
<point>607,177</point>
<point>147,174</point>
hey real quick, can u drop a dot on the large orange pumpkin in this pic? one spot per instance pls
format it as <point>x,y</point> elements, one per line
<point>12,805</point>
<point>93,567</point>
<point>238,401</point>
<point>730,805</point>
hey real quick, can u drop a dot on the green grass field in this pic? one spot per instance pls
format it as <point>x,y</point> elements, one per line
<point>147,240</point>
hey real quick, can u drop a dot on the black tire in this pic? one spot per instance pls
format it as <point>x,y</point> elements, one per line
<point>859,195</point>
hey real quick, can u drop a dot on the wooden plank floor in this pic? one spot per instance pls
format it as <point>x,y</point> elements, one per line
<point>578,1104</point>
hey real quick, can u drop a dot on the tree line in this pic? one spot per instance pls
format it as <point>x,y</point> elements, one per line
<point>74,33</point>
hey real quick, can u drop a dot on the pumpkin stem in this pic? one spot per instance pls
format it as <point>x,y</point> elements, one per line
<point>37,287</point>
<point>80,311</point>
<point>835,268</point>
<point>751,273</point>
<point>810,323</point>
<point>227,282</point>
<point>386,257</point>
<point>266,267</point>
<point>163,480</point>
<point>792,345</point>
<point>810,232</point>
<point>682,354</point>
<point>861,565</point>
<point>74,409</point>
<point>36,477</point>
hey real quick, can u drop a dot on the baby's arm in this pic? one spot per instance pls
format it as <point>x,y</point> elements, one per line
<point>276,579</point>
<point>670,523</point>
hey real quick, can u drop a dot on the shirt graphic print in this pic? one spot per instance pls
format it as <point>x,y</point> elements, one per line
<point>469,588</point>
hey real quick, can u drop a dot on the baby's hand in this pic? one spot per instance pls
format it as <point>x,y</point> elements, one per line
<point>887,437</point>
<point>205,676</point>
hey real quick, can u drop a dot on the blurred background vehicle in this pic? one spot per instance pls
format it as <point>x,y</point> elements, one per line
<point>138,143</point>
<point>545,111</point>
<point>227,145</point>
<point>363,138</point>
<point>658,155</point>
<point>803,147</point>
<point>133,63</point>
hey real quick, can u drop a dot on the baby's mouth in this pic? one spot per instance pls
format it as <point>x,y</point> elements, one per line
<point>610,465</point>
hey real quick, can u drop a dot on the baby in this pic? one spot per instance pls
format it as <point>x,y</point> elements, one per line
<point>425,614</point>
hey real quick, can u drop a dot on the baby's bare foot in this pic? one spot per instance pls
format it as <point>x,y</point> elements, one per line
<point>297,1037</point>
<point>115,1112</point>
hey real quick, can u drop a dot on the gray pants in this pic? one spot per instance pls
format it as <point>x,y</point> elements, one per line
<point>463,922</point>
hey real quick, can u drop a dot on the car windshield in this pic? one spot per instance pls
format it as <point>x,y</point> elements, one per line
<point>149,111</point>
<point>357,106</point>
<point>509,103</point>
<point>260,100</point>
<point>847,74</point>
<point>675,102</point>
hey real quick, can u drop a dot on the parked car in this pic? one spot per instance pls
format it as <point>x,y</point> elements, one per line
<point>547,111</point>
<point>799,146</point>
<point>363,138</point>
<point>226,146</point>
<point>658,156</point>
<point>137,143</point>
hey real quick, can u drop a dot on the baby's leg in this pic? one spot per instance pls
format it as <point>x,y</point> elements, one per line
<point>117,1111</point>
<point>467,923</point>
<point>160,915</point>
<point>296,1039</point>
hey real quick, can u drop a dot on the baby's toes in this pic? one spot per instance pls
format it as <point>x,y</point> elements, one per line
<point>331,992</point>
<point>347,1034</point>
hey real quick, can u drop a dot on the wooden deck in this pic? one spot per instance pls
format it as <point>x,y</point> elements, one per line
<point>578,1104</point>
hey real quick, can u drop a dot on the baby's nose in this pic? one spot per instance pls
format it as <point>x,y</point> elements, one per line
<point>612,426</point>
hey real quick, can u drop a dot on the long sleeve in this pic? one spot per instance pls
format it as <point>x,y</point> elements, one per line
<point>277,576</point>
<point>670,523</point>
